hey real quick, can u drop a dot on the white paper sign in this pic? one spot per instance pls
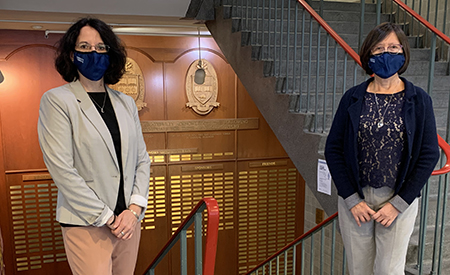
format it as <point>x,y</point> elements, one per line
<point>323,177</point>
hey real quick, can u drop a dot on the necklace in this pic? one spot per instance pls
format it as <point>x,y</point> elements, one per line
<point>102,108</point>
<point>381,122</point>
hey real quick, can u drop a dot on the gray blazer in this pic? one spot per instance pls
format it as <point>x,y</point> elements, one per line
<point>79,153</point>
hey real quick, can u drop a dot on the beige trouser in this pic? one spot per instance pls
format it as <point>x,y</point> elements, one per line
<point>373,248</point>
<point>94,250</point>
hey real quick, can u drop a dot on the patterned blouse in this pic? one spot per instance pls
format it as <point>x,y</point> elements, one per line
<point>381,138</point>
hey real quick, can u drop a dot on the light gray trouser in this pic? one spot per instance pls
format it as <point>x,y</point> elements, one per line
<point>373,248</point>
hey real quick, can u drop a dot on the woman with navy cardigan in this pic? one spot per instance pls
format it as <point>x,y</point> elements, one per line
<point>381,150</point>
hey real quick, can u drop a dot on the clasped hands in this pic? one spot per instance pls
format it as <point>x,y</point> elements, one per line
<point>123,225</point>
<point>363,213</point>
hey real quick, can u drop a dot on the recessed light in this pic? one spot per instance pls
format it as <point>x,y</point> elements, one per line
<point>36,27</point>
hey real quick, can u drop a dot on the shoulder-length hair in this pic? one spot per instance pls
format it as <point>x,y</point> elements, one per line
<point>66,46</point>
<point>375,36</point>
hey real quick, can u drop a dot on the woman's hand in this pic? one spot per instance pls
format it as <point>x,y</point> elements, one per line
<point>362,213</point>
<point>125,223</point>
<point>386,215</point>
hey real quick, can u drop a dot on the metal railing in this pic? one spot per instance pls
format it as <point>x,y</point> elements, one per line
<point>285,261</point>
<point>202,266</point>
<point>434,11</point>
<point>302,52</point>
<point>292,258</point>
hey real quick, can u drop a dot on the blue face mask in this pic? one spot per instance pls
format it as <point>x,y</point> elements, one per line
<point>91,65</point>
<point>386,65</point>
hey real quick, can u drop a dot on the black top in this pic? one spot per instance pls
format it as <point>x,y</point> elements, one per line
<point>381,139</point>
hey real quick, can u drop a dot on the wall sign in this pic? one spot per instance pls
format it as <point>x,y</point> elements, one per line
<point>132,83</point>
<point>202,98</point>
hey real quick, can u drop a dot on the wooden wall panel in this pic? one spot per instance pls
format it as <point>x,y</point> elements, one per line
<point>28,74</point>
<point>174,186</point>
<point>154,88</point>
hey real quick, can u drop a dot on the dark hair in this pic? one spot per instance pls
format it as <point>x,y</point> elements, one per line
<point>66,46</point>
<point>375,36</point>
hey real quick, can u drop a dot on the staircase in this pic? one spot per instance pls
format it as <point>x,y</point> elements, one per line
<point>296,73</point>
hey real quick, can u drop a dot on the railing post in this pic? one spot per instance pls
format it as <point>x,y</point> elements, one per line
<point>308,89</point>
<point>344,79</point>
<point>422,229</point>
<point>333,106</point>
<point>303,259</point>
<point>281,40</point>
<point>444,207</point>
<point>311,263</point>
<point>344,262</point>
<point>432,62</point>
<point>183,251</point>
<point>321,8</point>
<point>294,61</point>
<point>325,85</point>
<point>198,243</point>
<point>361,23</point>
<point>333,247</point>
<point>288,34</point>
<point>300,89</point>
<point>294,260</point>
<point>378,12</point>
<point>322,249</point>
<point>436,244</point>
<point>285,261</point>
<point>316,103</point>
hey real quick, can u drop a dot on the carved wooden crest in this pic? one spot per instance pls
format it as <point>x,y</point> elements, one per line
<point>202,97</point>
<point>132,83</point>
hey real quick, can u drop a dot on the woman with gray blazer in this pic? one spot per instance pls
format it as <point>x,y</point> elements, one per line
<point>93,147</point>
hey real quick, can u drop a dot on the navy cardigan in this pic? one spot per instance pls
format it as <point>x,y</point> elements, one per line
<point>421,146</point>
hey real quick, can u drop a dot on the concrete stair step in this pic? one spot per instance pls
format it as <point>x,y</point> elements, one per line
<point>343,6</point>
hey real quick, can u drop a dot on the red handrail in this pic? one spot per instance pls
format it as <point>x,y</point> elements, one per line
<point>446,148</point>
<point>212,231</point>
<point>423,21</point>
<point>330,31</point>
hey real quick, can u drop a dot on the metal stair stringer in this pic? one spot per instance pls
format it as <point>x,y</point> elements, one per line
<point>303,147</point>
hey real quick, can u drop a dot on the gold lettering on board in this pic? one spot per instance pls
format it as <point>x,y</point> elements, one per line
<point>267,163</point>
<point>192,168</point>
<point>45,176</point>
<point>158,126</point>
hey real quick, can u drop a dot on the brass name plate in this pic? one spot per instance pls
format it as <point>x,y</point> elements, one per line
<point>158,126</point>
<point>45,176</point>
<point>267,163</point>
<point>173,151</point>
<point>191,168</point>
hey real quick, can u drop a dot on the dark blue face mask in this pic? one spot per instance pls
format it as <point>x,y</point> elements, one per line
<point>91,65</point>
<point>386,64</point>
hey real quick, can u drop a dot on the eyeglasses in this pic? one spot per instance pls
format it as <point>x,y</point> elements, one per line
<point>86,47</point>
<point>392,49</point>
